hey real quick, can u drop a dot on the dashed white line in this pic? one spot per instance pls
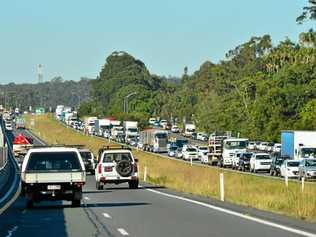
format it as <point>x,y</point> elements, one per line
<point>107,216</point>
<point>86,198</point>
<point>234,213</point>
<point>122,232</point>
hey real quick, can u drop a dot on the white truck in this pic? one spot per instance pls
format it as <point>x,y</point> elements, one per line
<point>58,111</point>
<point>230,147</point>
<point>89,125</point>
<point>189,129</point>
<point>131,130</point>
<point>101,127</point>
<point>51,174</point>
<point>298,144</point>
<point>154,140</point>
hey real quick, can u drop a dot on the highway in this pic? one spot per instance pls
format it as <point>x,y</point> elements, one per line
<point>148,211</point>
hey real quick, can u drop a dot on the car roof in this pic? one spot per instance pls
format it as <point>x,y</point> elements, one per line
<point>53,149</point>
<point>117,151</point>
<point>261,154</point>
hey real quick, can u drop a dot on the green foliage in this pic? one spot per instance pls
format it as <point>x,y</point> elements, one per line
<point>257,91</point>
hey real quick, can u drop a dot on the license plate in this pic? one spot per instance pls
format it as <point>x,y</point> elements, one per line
<point>53,187</point>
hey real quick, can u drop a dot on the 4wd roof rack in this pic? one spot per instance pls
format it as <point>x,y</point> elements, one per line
<point>105,148</point>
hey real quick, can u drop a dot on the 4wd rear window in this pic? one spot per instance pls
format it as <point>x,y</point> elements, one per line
<point>51,161</point>
<point>116,157</point>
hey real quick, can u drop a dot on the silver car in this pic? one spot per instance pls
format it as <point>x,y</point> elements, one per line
<point>307,169</point>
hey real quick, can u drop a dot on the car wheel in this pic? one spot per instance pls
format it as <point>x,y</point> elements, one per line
<point>271,173</point>
<point>92,172</point>
<point>133,184</point>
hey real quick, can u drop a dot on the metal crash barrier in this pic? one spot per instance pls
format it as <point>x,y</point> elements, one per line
<point>9,171</point>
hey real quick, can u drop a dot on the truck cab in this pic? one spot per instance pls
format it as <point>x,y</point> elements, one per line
<point>189,130</point>
<point>230,147</point>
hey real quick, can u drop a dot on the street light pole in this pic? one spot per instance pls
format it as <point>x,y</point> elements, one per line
<point>126,101</point>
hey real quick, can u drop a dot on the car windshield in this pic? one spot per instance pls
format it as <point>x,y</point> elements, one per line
<point>161,135</point>
<point>279,161</point>
<point>116,157</point>
<point>262,157</point>
<point>246,155</point>
<point>173,148</point>
<point>180,143</point>
<point>308,152</point>
<point>203,148</point>
<point>51,161</point>
<point>86,155</point>
<point>132,129</point>
<point>293,163</point>
<point>311,163</point>
<point>191,149</point>
<point>236,145</point>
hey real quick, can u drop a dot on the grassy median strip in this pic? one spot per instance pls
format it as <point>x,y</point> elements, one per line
<point>258,192</point>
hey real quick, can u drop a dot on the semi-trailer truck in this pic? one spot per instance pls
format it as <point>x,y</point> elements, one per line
<point>298,144</point>
<point>154,140</point>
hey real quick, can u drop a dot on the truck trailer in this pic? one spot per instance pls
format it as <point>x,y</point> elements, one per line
<point>298,144</point>
<point>154,140</point>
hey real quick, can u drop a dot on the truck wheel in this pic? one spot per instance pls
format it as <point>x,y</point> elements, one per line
<point>133,184</point>
<point>76,203</point>
<point>29,204</point>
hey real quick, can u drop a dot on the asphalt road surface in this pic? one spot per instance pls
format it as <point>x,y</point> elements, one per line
<point>148,211</point>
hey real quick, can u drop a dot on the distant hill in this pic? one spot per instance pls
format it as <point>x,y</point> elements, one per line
<point>47,94</point>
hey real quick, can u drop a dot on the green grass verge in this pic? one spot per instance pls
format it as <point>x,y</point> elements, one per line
<point>258,192</point>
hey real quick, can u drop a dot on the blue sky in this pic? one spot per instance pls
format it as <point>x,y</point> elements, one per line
<point>72,38</point>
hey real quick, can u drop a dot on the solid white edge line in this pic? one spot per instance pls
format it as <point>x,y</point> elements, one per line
<point>234,213</point>
<point>122,231</point>
<point>106,215</point>
<point>42,143</point>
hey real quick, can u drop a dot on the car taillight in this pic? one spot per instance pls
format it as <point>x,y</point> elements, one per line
<point>108,169</point>
<point>135,168</point>
<point>100,169</point>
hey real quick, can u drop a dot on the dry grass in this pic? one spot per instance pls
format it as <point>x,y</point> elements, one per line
<point>261,193</point>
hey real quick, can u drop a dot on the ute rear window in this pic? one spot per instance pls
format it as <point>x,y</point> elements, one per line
<point>52,161</point>
<point>86,155</point>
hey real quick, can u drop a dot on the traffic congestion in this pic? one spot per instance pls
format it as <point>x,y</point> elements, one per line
<point>217,149</point>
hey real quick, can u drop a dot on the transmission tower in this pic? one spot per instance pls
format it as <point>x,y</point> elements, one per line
<point>40,73</point>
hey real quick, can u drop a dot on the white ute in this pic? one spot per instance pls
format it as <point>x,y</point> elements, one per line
<point>53,173</point>
<point>116,165</point>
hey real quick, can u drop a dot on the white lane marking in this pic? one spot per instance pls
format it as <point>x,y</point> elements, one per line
<point>86,198</point>
<point>106,215</point>
<point>264,222</point>
<point>10,232</point>
<point>122,231</point>
<point>42,143</point>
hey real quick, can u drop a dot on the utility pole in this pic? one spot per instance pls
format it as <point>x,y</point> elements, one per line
<point>40,80</point>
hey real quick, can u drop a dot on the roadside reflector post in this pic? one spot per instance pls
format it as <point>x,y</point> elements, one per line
<point>191,161</point>
<point>145,174</point>
<point>221,185</point>
<point>303,183</point>
<point>286,178</point>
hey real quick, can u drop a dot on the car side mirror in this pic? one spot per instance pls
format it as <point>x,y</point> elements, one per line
<point>136,160</point>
